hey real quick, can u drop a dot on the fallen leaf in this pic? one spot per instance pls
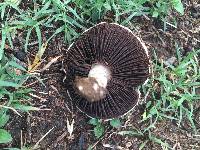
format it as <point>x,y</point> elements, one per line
<point>50,63</point>
<point>70,127</point>
<point>37,61</point>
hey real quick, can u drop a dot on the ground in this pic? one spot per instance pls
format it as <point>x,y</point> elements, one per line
<point>58,109</point>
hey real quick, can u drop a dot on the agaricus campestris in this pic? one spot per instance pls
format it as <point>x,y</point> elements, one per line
<point>104,67</point>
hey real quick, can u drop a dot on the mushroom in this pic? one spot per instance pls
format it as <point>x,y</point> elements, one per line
<point>104,68</point>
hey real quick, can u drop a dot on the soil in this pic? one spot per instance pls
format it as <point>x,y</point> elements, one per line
<point>30,128</point>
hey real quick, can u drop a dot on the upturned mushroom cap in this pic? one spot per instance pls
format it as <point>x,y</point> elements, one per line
<point>104,66</point>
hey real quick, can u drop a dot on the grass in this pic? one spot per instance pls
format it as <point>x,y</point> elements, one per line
<point>174,89</point>
<point>173,94</point>
<point>62,17</point>
<point>170,93</point>
<point>14,96</point>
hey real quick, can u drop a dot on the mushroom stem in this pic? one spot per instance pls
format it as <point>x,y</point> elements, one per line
<point>93,87</point>
<point>101,73</point>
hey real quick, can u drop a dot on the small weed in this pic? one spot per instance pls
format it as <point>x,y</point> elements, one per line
<point>161,8</point>
<point>99,126</point>
<point>93,10</point>
<point>147,136</point>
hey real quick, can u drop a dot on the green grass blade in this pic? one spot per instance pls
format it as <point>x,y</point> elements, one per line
<point>60,29</point>
<point>27,39</point>
<point>39,35</point>
<point>8,84</point>
<point>24,108</point>
<point>3,41</point>
<point>3,7</point>
<point>3,119</point>
<point>16,65</point>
